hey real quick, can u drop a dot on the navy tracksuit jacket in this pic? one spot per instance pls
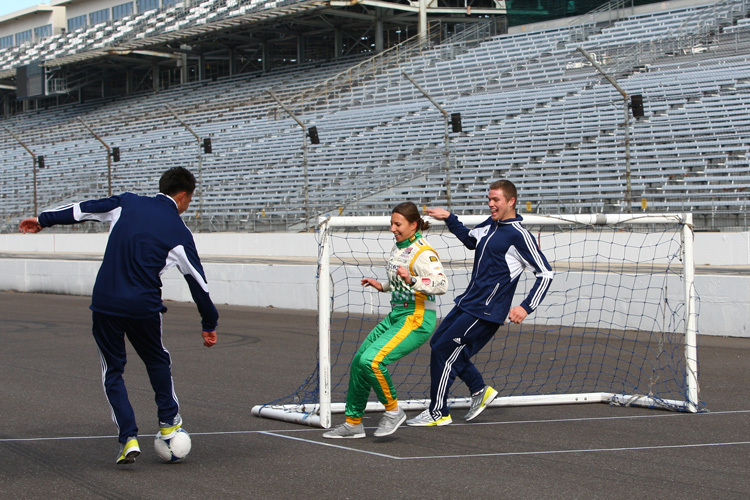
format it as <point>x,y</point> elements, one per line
<point>503,249</point>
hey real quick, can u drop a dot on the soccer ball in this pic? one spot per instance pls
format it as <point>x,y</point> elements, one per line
<point>175,448</point>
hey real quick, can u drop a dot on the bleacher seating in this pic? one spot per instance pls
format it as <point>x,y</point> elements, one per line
<point>532,111</point>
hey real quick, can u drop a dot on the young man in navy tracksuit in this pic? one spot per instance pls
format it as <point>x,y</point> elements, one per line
<point>503,249</point>
<point>147,237</point>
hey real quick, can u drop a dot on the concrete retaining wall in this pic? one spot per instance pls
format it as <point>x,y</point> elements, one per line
<point>29,263</point>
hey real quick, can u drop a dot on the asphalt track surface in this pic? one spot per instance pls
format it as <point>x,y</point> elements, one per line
<point>57,440</point>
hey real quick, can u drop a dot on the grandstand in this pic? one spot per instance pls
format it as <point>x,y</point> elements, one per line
<point>533,110</point>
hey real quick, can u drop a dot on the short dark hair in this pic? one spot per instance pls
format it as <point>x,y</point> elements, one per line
<point>410,212</point>
<point>176,180</point>
<point>507,187</point>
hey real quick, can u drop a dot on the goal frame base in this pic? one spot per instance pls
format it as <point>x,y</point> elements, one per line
<point>309,414</point>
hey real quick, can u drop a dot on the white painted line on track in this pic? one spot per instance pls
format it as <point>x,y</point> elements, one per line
<point>330,445</point>
<point>143,436</point>
<point>61,438</point>
<point>425,457</point>
<point>623,417</point>
<point>282,434</point>
<point>558,452</point>
<point>510,453</point>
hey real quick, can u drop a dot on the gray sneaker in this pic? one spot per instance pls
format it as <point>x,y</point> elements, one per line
<point>480,402</point>
<point>346,431</point>
<point>389,423</point>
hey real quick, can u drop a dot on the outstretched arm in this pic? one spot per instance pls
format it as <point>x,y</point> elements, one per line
<point>454,226</point>
<point>438,213</point>
<point>102,210</point>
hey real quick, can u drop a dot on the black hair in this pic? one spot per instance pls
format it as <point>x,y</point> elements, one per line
<point>176,180</point>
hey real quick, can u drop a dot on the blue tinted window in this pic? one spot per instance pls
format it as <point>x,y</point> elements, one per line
<point>100,16</point>
<point>24,36</point>
<point>122,10</point>
<point>76,22</point>
<point>144,5</point>
<point>42,32</point>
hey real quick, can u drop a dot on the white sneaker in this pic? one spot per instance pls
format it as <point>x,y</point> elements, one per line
<point>480,402</point>
<point>425,419</point>
<point>389,423</point>
<point>346,431</point>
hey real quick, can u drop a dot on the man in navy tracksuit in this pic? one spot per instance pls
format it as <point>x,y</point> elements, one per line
<point>503,249</point>
<point>147,237</point>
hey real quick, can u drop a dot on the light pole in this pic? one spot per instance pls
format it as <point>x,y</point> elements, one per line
<point>456,122</point>
<point>109,155</point>
<point>304,151</point>
<point>626,98</point>
<point>206,145</point>
<point>36,160</point>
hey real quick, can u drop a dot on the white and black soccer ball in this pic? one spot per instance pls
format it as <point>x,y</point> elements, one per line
<point>173,449</point>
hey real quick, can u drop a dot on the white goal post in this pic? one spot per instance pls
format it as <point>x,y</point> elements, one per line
<point>620,327</point>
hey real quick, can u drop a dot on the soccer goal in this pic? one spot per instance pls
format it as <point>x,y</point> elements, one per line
<point>618,325</point>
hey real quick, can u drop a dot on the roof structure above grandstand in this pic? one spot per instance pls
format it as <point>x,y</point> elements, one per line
<point>235,35</point>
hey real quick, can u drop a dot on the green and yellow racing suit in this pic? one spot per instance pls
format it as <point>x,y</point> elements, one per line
<point>409,324</point>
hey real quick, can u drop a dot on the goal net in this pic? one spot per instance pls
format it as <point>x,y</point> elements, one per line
<point>618,325</point>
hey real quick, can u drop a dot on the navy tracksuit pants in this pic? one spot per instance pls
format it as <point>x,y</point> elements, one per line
<point>145,337</point>
<point>458,338</point>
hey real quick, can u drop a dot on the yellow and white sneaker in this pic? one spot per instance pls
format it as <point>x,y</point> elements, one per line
<point>425,419</point>
<point>129,451</point>
<point>167,430</point>
<point>480,402</point>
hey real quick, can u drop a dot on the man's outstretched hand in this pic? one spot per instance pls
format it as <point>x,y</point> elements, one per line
<point>438,213</point>
<point>209,338</point>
